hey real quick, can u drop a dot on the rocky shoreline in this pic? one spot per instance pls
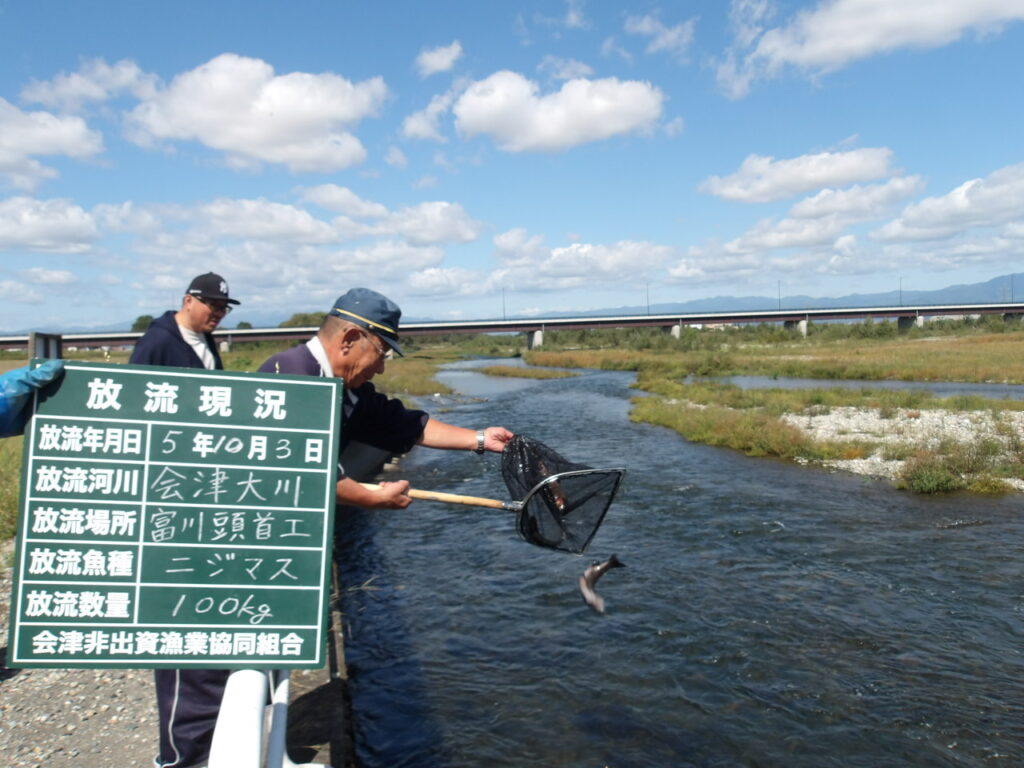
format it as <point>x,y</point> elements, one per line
<point>925,429</point>
<point>52,718</point>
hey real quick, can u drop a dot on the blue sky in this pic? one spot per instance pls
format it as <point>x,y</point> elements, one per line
<point>481,159</point>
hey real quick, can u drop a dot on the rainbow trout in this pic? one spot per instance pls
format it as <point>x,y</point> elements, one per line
<point>590,577</point>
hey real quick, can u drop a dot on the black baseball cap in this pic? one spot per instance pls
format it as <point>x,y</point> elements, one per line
<point>210,286</point>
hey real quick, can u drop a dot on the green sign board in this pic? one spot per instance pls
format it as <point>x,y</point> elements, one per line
<point>174,517</point>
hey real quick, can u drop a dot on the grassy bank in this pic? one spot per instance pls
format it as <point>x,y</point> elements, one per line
<point>10,483</point>
<point>760,423</point>
<point>976,353</point>
<point>517,372</point>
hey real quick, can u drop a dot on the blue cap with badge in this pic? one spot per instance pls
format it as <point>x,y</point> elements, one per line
<point>372,311</point>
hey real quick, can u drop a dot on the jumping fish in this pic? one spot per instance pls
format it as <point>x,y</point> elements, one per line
<point>590,577</point>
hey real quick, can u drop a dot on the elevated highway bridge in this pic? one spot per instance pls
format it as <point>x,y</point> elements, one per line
<point>534,327</point>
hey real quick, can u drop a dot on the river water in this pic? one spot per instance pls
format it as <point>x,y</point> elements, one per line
<point>769,614</point>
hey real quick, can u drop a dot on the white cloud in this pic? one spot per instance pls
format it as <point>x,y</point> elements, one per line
<point>820,220</point>
<point>343,200</point>
<point>563,69</point>
<point>508,107</point>
<point>574,18</point>
<point>19,293</point>
<point>42,276</point>
<point>386,259</point>
<point>237,105</point>
<point>979,222</point>
<point>95,81</point>
<point>846,245</point>
<point>861,202</point>
<point>517,247</point>
<point>996,199</point>
<point>128,217</point>
<point>24,135</point>
<point>672,40</point>
<point>447,282</point>
<point>423,224</point>
<point>789,233</point>
<point>836,33</point>
<point>434,222</point>
<point>710,264</point>
<point>674,127</point>
<point>611,47</point>
<point>440,59</point>
<point>262,220</point>
<point>763,179</point>
<point>396,158</point>
<point>526,263</point>
<point>747,19</point>
<point>425,123</point>
<point>52,226</point>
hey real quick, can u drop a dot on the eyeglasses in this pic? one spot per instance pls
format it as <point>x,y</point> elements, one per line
<point>215,306</point>
<point>376,345</point>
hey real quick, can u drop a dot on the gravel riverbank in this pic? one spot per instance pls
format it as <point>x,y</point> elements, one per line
<point>106,718</point>
<point>69,718</point>
<point>925,429</point>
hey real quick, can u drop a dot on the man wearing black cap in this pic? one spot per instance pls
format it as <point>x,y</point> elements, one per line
<point>352,344</point>
<point>185,338</point>
<point>188,700</point>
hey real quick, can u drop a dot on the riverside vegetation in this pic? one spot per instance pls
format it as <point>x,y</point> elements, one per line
<point>757,422</point>
<point>987,457</point>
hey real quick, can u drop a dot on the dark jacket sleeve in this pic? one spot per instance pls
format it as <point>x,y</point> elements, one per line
<point>383,422</point>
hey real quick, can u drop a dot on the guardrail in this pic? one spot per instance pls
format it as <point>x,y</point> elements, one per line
<point>238,740</point>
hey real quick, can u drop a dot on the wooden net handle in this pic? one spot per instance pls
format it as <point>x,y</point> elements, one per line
<point>451,498</point>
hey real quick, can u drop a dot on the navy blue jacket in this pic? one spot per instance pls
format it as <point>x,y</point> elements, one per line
<point>376,420</point>
<point>163,344</point>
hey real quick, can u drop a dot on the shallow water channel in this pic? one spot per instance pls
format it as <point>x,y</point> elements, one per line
<point>769,614</point>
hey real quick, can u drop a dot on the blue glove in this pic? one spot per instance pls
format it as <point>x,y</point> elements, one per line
<point>16,388</point>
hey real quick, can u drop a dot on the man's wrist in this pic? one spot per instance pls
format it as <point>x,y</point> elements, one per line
<point>480,436</point>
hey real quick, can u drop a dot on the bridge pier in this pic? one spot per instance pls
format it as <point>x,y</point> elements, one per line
<point>798,325</point>
<point>906,322</point>
<point>534,339</point>
<point>44,345</point>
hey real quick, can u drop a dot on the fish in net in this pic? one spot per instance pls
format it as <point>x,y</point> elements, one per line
<point>561,503</point>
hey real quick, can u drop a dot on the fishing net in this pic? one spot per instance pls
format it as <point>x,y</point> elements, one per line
<point>561,504</point>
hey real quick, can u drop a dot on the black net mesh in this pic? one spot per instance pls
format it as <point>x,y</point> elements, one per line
<point>563,502</point>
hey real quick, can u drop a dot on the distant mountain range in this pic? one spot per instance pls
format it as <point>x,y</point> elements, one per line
<point>999,289</point>
<point>1004,288</point>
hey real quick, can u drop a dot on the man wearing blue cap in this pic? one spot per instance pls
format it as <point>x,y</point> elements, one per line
<point>352,344</point>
